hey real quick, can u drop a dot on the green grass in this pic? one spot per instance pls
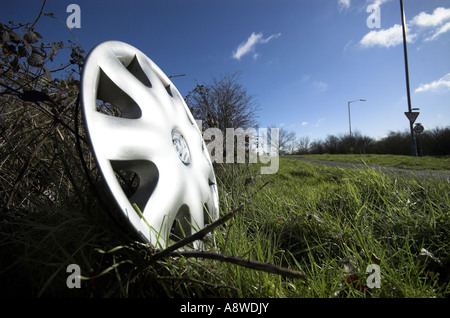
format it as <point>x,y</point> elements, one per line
<point>327,218</point>
<point>329,223</point>
<point>404,162</point>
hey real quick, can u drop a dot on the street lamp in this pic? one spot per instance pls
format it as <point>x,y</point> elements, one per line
<point>349,120</point>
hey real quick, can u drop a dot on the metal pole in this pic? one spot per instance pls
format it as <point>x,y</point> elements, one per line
<point>405,50</point>
<point>349,121</point>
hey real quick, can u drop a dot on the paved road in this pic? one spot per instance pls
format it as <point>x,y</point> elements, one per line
<point>405,172</point>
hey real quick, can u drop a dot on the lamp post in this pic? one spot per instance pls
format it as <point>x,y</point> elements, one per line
<point>349,120</point>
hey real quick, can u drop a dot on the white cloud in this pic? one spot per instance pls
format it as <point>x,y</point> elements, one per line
<point>319,122</point>
<point>438,17</point>
<point>347,46</point>
<point>320,86</point>
<point>249,46</point>
<point>378,2</point>
<point>443,29</point>
<point>386,38</point>
<point>442,83</point>
<point>304,123</point>
<point>343,5</point>
<point>439,21</point>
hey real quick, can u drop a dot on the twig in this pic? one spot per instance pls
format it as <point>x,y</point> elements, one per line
<point>56,117</point>
<point>172,251</point>
<point>265,267</point>
<point>51,15</point>
<point>194,237</point>
<point>80,151</point>
<point>27,164</point>
<point>261,187</point>
<point>57,120</point>
<point>39,15</point>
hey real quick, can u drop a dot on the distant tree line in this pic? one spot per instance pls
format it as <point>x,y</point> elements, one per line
<point>432,142</point>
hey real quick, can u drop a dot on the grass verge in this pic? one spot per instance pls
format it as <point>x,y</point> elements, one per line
<point>404,162</point>
<point>328,223</point>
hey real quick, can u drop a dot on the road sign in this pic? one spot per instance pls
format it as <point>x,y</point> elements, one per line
<point>418,128</point>
<point>412,116</point>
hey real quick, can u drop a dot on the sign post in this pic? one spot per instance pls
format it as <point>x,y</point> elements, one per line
<point>405,51</point>
<point>418,129</point>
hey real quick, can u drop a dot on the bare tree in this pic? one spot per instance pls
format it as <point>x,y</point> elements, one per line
<point>302,145</point>
<point>286,142</point>
<point>223,104</point>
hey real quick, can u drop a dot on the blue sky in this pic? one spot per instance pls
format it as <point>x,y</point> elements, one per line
<point>303,60</point>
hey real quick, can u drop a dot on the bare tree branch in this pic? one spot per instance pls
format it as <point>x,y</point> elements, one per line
<point>265,267</point>
<point>194,237</point>
<point>224,104</point>
<point>286,140</point>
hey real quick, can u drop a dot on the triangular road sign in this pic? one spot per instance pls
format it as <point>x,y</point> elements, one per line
<point>412,116</point>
